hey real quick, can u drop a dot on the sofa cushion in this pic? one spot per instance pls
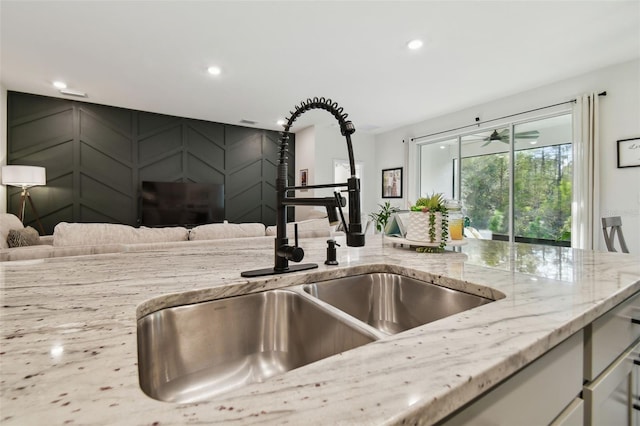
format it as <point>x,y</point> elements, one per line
<point>8,222</point>
<point>23,237</point>
<point>216,231</point>
<point>306,229</point>
<point>79,234</point>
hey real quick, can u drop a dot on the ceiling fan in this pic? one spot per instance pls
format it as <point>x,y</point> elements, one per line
<point>503,136</point>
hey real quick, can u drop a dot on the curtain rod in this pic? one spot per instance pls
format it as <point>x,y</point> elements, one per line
<point>477,123</point>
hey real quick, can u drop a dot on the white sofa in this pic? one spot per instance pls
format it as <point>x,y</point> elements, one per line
<point>74,239</point>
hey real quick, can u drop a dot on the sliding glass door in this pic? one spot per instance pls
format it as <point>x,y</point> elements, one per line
<point>485,180</point>
<point>543,167</point>
<point>515,181</point>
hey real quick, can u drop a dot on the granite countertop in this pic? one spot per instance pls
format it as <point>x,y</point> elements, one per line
<point>68,331</point>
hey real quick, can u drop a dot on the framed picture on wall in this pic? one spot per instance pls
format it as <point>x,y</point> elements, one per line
<point>629,153</point>
<point>392,183</point>
<point>304,176</point>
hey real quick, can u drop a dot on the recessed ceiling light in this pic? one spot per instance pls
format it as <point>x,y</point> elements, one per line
<point>533,142</point>
<point>280,122</point>
<point>415,44</point>
<point>214,70</point>
<point>442,147</point>
<point>59,85</point>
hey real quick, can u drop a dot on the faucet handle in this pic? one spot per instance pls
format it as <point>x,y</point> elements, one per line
<point>293,253</point>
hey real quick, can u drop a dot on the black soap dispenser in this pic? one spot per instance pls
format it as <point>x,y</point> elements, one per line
<point>331,253</point>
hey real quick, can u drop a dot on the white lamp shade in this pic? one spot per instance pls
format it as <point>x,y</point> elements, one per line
<point>24,176</point>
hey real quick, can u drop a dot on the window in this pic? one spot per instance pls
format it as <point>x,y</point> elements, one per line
<point>515,188</point>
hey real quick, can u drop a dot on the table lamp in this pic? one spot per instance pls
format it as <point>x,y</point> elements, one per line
<point>25,177</point>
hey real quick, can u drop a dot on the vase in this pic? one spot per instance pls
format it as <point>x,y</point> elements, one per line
<point>418,229</point>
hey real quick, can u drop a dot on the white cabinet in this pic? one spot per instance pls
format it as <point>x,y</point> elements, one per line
<point>611,347</point>
<point>635,390</point>
<point>535,395</point>
<point>590,379</point>
<point>573,415</point>
<point>610,335</point>
<point>609,398</point>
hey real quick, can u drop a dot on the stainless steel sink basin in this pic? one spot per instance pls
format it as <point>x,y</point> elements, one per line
<point>393,303</point>
<point>191,353</point>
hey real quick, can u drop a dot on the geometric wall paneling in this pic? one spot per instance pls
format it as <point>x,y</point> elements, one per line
<point>54,201</point>
<point>159,143</point>
<point>209,132</point>
<point>25,105</point>
<point>42,130</point>
<point>44,127</point>
<point>199,170</point>
<point>112,138</point>
<point>149,122</point>
<point>243,156</point>
<point>87,214</point>
<point>100,197</point>
<point>96,157</point>
<point>241,179</point>
<point>243,206</point>
<point>243,146</point>
<point>167,169</point>
<point>206,143</point>
<point>118,119</point>
<point>205,151</point>
<point>57,195</point>
<point>58,158</point>
<point>106,169</point>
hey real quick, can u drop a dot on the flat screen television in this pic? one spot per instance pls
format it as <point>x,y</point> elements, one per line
<point>181,203</point>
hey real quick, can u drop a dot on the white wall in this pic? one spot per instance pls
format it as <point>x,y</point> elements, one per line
<point>436,173</point>
<point>3,144</point>
<point>619,118</point>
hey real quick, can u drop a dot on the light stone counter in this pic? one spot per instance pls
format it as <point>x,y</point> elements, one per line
<point>68,342</point>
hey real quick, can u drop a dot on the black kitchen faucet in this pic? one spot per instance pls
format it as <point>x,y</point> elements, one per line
<point>355,237</point>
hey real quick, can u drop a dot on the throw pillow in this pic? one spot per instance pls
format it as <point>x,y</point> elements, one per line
<point>23,237</point>
<point>8,222</point>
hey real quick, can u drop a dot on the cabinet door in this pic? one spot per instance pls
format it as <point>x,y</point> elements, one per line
<point>608,400</point>
<point>573,415</point>
<point>610,335</point>
<point>635,392</point>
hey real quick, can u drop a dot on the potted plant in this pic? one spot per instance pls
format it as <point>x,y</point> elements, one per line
<point>429,220</point>
<point>382,216</point>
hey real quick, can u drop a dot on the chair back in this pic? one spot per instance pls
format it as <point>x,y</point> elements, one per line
<point>612,226</point>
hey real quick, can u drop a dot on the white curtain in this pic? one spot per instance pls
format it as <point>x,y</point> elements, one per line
<point>585,212</point>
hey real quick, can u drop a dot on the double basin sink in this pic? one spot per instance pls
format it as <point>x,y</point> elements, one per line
<point>195,352</point>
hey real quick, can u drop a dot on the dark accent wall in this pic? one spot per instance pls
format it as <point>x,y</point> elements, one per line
<point>96,156</point>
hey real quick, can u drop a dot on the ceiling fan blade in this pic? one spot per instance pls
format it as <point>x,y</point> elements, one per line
<point>485,144</point>
<point>529,133</point>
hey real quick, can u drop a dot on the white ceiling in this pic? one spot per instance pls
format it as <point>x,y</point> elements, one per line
<point>153,55</point>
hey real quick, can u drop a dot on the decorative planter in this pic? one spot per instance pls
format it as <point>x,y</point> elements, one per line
<point>419,226</point>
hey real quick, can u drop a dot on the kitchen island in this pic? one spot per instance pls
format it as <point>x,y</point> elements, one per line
<point>68,351</point>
